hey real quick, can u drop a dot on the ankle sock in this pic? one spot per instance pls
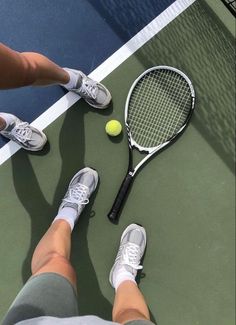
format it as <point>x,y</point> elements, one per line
<point>73,79</point>
<point>68,214</point>
<point>122,274</point>
<point>8,118</point>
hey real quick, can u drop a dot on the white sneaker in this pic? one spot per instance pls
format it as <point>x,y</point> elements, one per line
<point>24,134</point>
<point>131,250</point>
<point>82,185</point>
<point>93,92</point>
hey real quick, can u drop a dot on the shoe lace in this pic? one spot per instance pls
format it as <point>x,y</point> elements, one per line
<point>89,88</point>
<point>78,194</point>
<point>22,132</point>
<point>131,256</point>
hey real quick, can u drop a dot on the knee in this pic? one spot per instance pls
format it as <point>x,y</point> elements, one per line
<point>55,263</point>
<point>127,314</point>
<point>50,260</point>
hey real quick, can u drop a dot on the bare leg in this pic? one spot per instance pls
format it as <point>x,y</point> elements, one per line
<point>129,304</point>
<point>47,72</point>
<point>52,253</point>
<point>28,68</point>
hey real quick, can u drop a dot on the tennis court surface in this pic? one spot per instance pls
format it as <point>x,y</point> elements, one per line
<point>185,197</point>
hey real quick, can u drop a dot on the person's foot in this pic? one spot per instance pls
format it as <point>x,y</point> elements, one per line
<point>130,253</point>
<point>23,133</point>
<point>82,185</point>
<point>93,92</point>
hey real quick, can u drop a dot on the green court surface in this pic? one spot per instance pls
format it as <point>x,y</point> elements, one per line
<point>185,197</point>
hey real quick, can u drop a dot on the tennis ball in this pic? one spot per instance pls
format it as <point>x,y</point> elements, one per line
<point>113,128</point>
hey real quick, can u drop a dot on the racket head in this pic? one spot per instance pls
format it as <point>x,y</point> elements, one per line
<point>158,108</point>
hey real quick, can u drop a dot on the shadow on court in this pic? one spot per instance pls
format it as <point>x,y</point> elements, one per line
<point>201,46</point>
<point>71,157</point>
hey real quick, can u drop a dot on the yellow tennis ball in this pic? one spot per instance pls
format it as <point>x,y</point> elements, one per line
<point>113,128</point>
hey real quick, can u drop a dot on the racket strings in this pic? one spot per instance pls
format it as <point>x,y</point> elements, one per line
<point>158,107</point>
<point>144,95</point>
<point>181,108</point>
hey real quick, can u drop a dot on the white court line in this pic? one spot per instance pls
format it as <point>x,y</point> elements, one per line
<point>63,104</point>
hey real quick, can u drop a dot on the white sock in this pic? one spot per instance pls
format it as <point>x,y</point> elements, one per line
<point>73,79</point>
<point>68,214</point>
<point>120,275</point>
<point>8,118</point>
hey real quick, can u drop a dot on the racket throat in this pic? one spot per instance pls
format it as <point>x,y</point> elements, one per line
<point>131,173</point>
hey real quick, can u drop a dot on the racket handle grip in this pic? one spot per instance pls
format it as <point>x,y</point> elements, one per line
<point>114,212</point>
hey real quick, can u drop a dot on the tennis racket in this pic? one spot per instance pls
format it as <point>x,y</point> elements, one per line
<point>158,108</point>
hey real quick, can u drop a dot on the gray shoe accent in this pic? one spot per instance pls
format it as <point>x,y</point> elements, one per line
<point>82,185</point>
<point>131,250</point>
<point>24,134</point>
<point>93,92</point>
